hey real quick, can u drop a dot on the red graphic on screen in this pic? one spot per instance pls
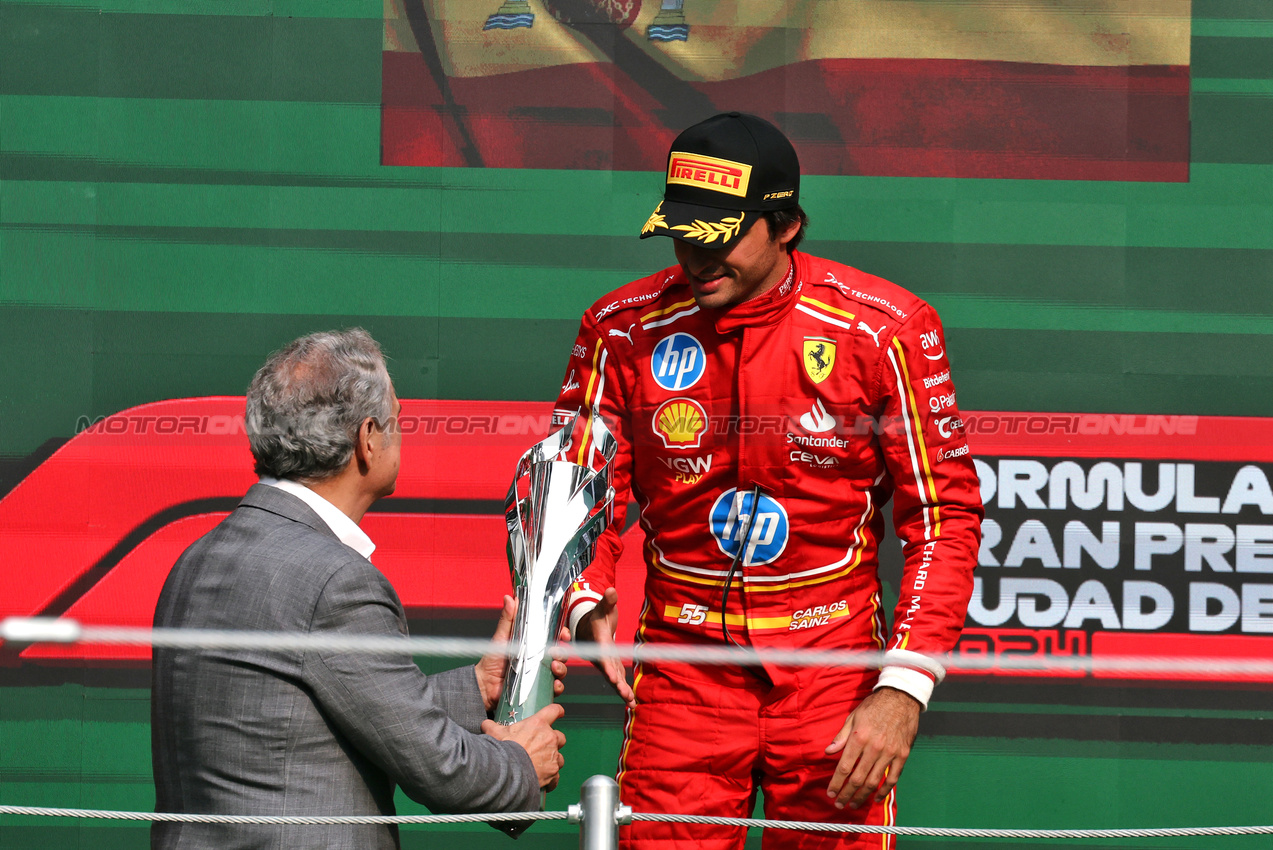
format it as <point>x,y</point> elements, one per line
<point>92,532</point>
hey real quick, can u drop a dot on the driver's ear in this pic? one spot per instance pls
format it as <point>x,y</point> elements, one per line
<point>789,233</point>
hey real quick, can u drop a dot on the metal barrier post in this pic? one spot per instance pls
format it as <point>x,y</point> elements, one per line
<point>599,814</point>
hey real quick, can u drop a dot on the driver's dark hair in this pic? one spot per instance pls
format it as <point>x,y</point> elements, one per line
<point>780,220</point>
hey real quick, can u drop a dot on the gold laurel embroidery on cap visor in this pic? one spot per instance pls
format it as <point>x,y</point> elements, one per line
<point>709,231</point>
<point>655,220</point>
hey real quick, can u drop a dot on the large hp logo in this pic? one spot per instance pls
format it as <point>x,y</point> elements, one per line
<point>769,529</point>
<point>678,362</point>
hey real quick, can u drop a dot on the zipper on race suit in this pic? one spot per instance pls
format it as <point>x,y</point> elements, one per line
<point>735,566</point>
<point>741,482</point>
<point>744,409</point>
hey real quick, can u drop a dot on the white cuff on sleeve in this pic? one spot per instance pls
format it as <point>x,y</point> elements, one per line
<point>581,608</point>
<point>917,660</point>
<point>907,681</point>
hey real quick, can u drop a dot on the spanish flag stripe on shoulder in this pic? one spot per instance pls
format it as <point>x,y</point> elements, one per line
<point>671,309</point>
<point>824,306</point>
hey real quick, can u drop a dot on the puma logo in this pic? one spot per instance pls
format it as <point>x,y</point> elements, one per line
<point>875,335</point>
<point>625,334</point>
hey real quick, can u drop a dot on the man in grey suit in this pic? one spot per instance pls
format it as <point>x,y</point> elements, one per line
<point>313,732</point>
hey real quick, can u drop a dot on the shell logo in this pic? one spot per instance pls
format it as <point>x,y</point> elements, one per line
<point>680,423</point>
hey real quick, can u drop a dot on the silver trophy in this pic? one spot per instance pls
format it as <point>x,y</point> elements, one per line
<point>556,510</point>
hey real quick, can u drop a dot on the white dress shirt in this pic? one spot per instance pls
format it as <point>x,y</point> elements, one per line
<point>340,524</point>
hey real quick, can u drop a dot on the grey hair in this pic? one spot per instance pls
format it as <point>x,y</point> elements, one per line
<point>306,404</point>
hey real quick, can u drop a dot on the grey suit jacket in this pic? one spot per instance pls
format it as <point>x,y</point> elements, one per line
<point>304,732</point>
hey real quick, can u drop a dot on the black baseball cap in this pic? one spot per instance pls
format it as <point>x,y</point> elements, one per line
<point>722,172</point>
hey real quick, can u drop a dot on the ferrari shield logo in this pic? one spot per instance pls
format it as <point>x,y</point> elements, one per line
<point>819,357</point>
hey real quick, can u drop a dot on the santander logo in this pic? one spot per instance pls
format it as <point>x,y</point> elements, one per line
<point>817,420</point>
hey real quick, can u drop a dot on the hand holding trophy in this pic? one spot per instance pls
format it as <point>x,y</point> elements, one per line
<point>556,509</point>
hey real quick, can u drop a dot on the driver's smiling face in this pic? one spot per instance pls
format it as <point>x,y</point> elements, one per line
<point>723,277</point>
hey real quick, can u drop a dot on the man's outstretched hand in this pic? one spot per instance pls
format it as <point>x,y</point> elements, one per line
<point>599,627</point>
<point>873,745</point>
<point>493,667</point>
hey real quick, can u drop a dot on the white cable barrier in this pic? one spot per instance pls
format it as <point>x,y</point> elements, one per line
<point>599,809</point>
<point>578,814</point>
<point>279,820</point>
<point>953,832</point>
<point>28,630</point>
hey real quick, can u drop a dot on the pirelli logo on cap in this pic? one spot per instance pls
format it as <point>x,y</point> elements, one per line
<point>708,172</point>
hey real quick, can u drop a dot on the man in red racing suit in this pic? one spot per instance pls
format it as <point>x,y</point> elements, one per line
<point>765,413</point>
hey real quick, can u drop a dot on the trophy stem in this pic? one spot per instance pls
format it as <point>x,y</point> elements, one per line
<point>511,709</point>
